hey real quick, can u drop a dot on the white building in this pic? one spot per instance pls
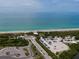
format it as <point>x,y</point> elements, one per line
<point>35,33</point>
<point>20,37</point>
<point>57,39</point>
<point>69,39</point>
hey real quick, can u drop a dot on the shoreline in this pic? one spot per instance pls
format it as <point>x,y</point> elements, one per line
<point>42,30</point>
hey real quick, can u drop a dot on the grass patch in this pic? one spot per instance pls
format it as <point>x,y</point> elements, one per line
<point>13,42</point>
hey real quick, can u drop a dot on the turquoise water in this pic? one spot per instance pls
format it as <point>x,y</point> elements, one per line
<point>37,21</point>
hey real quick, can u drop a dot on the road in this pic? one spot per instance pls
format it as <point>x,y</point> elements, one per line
<point>40,49</point>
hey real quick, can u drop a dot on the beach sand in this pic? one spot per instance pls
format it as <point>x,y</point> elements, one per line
<point>47,30</point>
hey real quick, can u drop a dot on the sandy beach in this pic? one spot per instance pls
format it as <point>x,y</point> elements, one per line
<point>43,30</point>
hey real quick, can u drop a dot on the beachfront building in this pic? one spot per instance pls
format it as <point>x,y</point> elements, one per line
<point>22,37</point>
<point>69,39</point>
<point>57,39</point>
<point>35,33</point>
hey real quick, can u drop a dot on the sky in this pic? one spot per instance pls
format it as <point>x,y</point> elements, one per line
<point>31,6</point>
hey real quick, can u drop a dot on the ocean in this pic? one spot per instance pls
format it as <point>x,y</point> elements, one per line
<point>38,21</point>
